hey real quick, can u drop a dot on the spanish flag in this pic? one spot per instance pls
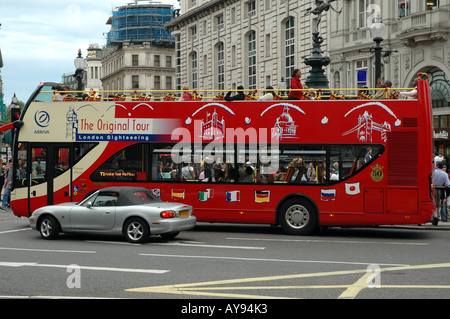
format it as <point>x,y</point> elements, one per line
<point>177,194</point>
<point>262,196</point>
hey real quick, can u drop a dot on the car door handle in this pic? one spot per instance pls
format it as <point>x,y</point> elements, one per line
<point>107,213</point>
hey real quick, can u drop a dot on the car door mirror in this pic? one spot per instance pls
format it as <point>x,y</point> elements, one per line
<point>89,204</point>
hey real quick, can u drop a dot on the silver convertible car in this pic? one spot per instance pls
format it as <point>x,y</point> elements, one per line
<point>133,212</point>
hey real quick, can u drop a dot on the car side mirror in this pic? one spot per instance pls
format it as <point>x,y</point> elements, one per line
<point>89,204</point>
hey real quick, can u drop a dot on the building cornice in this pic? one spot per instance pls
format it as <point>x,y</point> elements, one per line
<point>138,70</point>
<point>193,14</point>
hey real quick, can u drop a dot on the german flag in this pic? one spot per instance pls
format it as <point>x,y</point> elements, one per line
<point>262,196</point>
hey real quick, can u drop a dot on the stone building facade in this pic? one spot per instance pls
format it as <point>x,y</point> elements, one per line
<point>138,67</point>
<point>418,38</point>
<point>139,54</point>
<point>221,44</point>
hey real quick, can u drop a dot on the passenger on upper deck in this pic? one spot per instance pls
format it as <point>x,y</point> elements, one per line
<point>268,96</point>
<point>186,96</point>
<point>296,85</point>
<point>381,94</point>
<point>411,95</point>
<point>59,95</point>
<point>240,96</point>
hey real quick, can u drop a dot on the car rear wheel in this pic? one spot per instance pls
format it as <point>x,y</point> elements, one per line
<point>49,227</point>
<point>136,230</point>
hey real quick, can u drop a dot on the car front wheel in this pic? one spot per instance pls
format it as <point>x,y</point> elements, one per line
<point>49,227</point>
<point>136,230</point>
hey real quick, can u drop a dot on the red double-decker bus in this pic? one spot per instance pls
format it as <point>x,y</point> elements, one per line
<point>297,164</point>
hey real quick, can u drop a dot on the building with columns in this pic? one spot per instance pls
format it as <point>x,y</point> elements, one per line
<point>139,54</point>
<point>417,38</point>
<point>94,68</point>
<point>221,44</point>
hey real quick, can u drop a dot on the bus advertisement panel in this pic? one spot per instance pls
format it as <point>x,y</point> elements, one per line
<point>298,164</point>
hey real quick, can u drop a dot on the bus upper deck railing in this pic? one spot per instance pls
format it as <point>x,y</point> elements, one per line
<point>201,95</point>
<point>363,93</point>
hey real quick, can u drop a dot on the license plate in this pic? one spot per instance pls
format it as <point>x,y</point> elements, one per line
<point>183,213</point>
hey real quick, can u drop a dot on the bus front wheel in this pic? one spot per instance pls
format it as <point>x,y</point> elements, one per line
<point>297,217</point>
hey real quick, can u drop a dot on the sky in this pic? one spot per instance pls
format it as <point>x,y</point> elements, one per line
<point>39,40</point>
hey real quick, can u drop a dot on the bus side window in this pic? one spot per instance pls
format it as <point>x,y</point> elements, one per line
<point>163,167</point>
<point>61,160</point>
<point>348,160</point>
<point>129,164</point>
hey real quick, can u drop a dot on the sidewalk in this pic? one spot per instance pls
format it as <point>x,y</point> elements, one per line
<point>428,226</point>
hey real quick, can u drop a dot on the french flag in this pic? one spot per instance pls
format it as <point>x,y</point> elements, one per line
<point>327,195</point>
<point>233,196</point>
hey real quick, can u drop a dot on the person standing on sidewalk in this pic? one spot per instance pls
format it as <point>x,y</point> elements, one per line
<point>8,185</point>
<point>2,175</point>
<point>441,178</point>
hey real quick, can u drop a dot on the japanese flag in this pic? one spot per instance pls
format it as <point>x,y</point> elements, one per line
<point>352,189</point>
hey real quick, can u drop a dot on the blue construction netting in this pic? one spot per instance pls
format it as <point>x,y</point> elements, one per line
<point>140,25</point>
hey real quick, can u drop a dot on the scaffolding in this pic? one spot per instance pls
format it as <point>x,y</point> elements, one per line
<point>138,23</point>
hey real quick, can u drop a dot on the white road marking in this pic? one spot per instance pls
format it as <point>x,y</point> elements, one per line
<point>111,242</point>
<point>13,231</point>
<point>273,260</point>
<point>189,244</point>
<point>50,250</point>
<point>329,241</point>
<point>130,270</point>
<point>54,297</point>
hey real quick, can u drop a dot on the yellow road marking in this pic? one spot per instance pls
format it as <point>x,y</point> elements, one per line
<point>356,288</point>
<point>351,290</point>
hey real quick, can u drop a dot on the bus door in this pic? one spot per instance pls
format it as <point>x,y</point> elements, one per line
<point>50,175</point>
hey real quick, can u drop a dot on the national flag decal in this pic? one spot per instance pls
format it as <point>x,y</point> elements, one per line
<point>203,196</point>
<point>178,194</point>
<point>262,196</point>
<point>327,194</point>
<point>352,189</point>
<point>233,196</point>
<point>156,192</point>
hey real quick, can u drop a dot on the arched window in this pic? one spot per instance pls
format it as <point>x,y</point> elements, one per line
<point>337,80</point>
<point>440,87</point>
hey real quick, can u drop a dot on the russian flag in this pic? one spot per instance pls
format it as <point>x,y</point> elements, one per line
<point>327,194</point>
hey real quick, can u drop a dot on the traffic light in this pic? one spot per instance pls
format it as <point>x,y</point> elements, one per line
<point>15,113</point>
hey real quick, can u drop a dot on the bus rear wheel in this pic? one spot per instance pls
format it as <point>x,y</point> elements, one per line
<point>297,217</point>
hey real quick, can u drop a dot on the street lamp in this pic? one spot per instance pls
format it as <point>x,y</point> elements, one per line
<point>14,109</point>
<point>80,66</point>
<point>378,31</point>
